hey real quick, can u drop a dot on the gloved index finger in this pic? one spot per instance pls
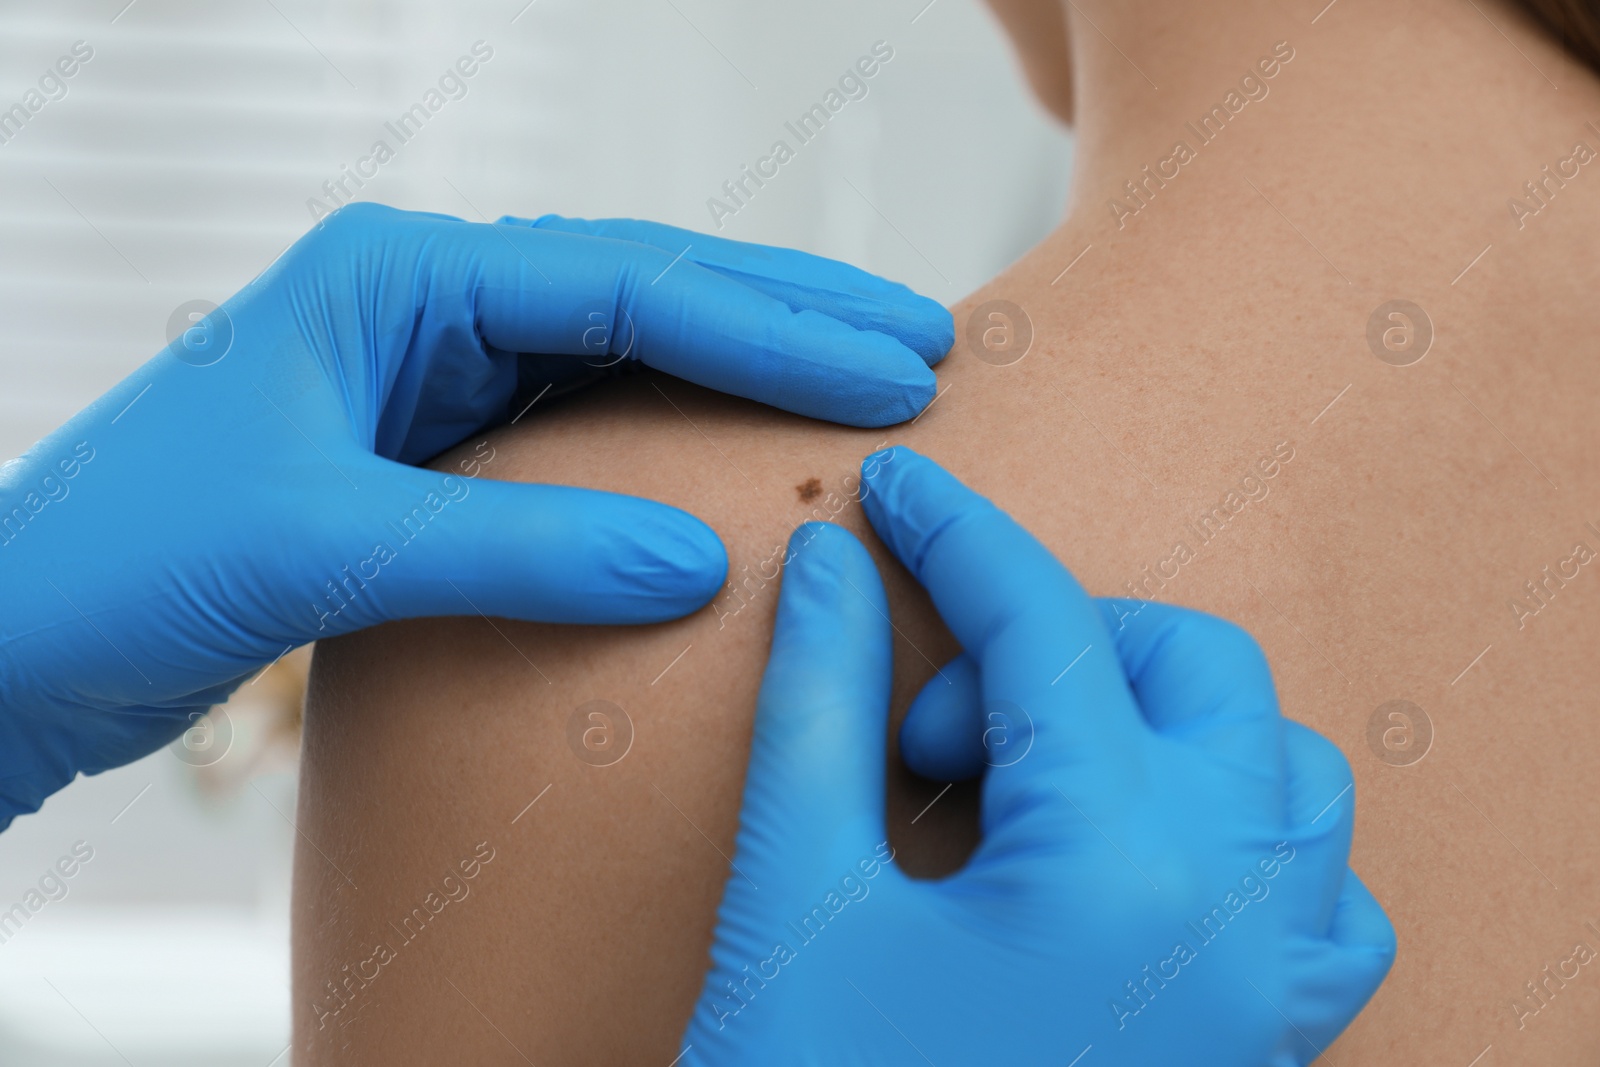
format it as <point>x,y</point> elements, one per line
<point>537,290</point>
<point>1043,653</point>
<point>801,281</point>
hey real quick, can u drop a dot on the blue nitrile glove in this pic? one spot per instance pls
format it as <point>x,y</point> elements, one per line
<point>246,490</point>
<point>1162,878</point>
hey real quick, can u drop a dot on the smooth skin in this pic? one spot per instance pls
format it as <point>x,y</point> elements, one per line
<point>1167,365</point>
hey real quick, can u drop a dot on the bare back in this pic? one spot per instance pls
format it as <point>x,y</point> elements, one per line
<point>1217,409</point>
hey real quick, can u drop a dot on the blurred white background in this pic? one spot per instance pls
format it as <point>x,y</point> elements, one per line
<point>179,164</point>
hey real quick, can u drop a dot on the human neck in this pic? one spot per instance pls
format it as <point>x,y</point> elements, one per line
<point>1147,73</point>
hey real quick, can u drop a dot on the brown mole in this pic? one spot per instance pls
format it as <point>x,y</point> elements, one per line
<point>809,489</point>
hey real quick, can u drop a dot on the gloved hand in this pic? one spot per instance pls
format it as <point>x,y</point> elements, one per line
<point>1162,877</point>
<point>245,491</point>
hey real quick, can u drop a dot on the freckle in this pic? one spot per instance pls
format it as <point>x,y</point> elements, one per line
<point>809,489</point>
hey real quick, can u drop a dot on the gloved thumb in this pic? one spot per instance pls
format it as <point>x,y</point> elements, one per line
<point>448,545</point>
<point>813,799</point>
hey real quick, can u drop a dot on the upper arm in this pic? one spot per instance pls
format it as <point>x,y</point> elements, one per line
<point>585,937</point>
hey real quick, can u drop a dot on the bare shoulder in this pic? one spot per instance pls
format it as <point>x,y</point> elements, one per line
<point>600,768</point>
<point>1402,510</point>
